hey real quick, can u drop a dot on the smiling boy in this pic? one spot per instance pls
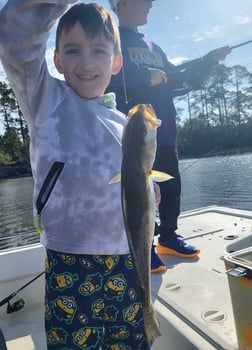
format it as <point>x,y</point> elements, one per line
<point>75,151</point>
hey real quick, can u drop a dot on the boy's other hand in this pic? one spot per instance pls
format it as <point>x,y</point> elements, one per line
<point>157,76</point>
<point>157,193</point>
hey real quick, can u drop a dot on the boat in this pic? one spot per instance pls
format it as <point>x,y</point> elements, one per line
<point>193,299</point>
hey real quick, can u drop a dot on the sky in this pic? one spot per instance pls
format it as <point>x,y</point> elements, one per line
<point>187,29</point>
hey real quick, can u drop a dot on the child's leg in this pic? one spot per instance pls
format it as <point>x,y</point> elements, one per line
<point>124,327</point>
<point>73,287</point>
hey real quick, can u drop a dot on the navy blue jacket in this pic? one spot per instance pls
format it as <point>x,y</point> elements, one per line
<point>139,55</point>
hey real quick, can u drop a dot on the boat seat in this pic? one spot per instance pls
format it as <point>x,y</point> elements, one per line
<point>2,341</point>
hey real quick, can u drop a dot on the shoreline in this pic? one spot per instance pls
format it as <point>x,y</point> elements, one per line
<point>15,170</point>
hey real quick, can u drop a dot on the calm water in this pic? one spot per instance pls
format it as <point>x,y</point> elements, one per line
<point>225,181</point>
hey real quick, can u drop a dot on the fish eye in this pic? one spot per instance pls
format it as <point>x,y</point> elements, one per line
<point>144,131</point>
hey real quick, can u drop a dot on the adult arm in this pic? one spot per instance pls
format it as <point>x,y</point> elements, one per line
<point>196,71</point>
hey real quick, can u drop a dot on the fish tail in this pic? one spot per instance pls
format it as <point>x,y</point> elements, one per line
<point>151,324</point>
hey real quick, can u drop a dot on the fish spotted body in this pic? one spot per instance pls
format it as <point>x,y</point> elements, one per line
<point>138,202</point>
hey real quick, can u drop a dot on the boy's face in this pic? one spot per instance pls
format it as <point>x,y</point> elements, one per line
<point>135,12</point>
<point>87,64</point>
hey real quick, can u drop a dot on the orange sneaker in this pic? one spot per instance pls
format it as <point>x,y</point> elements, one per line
<point>157,264</point>
<point>175,245</point>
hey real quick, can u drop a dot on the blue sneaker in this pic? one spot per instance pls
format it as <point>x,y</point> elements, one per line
<point>157,264</point>
<point>175,245</point>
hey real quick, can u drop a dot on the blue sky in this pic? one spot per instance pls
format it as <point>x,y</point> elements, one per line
<point>187,29</point>
<point>190,28</point>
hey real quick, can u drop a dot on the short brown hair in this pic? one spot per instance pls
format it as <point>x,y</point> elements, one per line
<point>94,19</point>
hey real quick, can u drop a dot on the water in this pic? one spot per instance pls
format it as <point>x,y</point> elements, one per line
<point>224,181</point>
<point>16,212</point>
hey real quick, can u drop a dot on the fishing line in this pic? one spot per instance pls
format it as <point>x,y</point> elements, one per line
<point>198,159</point>
<point>123,71</point>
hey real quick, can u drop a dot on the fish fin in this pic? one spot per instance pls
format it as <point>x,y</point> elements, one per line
<point>160,176</point>
<point>151,324</point>
<point>115,179</point>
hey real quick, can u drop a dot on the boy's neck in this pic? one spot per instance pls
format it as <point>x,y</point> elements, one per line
<point>129,25</point>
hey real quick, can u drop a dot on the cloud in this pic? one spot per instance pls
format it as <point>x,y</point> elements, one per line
<point>51,67</point>
<point>214,32</point>
<point>2,73</point>
<point>178,60</point>
<point>243,19</point>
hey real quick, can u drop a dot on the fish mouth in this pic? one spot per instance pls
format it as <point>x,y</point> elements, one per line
<point>148,112</point>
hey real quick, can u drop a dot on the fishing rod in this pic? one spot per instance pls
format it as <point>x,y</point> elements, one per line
<point>241,44</point>
<point>20,303</point>
<point>184,64</point>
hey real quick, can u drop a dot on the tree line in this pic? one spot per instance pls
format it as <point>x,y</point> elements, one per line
<point>219,114</point>
<point>215,117</point>
<point>14,141</point>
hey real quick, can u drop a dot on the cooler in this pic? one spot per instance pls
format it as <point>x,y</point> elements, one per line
<point>239,270</point>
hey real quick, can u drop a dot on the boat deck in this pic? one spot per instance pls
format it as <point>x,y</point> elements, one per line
<point>192,297</point>
<point>196,291</point>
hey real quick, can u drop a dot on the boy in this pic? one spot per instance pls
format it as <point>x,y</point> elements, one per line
<point>75,151</point>
<point>148,77</point>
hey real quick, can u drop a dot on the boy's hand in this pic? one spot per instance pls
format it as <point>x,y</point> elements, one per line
<point>157,193</point>
<point>157,76</point>
<point>219,54</point>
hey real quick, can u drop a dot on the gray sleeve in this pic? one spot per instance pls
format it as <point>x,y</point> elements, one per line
<point>24,30</point>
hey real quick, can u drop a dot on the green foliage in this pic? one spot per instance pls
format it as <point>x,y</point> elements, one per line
<point>220,114</point>
<point>4,158</point>
<point>14,143</point>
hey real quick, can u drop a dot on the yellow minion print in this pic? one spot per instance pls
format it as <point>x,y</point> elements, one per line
<point>119,332</point>
<point>49,263</point>
<point>87,338</point>
<point>56,336</point>
<point>132,294</point>
<point>92,284</point>
<point>98,308</point>
<point>48,313</point>
<point>64,308</point>
<point>129,262</point>
<point>86,263</point>
<point>67,259</point>
<point>62,281</point>
<point>109,262</point>
<point>132,314</point>
<point>83,318</point>
<point>116,287</point>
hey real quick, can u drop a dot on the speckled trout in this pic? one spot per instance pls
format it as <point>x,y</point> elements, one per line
<point>138,201</point>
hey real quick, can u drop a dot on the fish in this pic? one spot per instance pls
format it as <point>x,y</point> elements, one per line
<point>138,201</point>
